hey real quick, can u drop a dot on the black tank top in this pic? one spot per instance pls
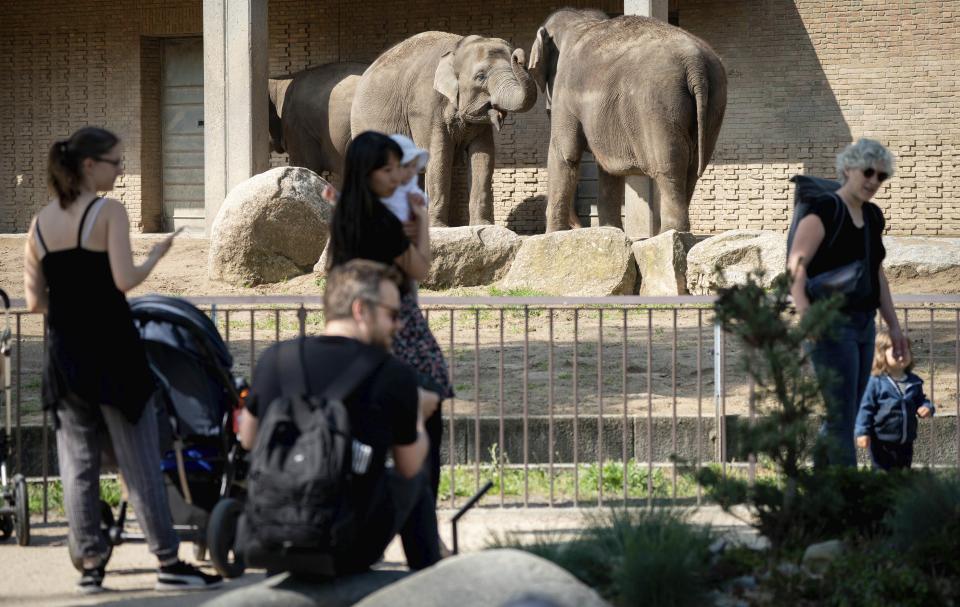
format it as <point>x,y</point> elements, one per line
<point>94,351</point>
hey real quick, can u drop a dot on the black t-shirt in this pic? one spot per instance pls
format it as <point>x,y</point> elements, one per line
<point>848,246</point>
<point>383,410</point>
<point>384,239</point>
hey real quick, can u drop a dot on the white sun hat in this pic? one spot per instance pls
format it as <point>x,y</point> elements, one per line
<point>411,151</point>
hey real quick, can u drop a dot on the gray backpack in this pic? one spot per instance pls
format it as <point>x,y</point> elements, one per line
<point>298,511</point>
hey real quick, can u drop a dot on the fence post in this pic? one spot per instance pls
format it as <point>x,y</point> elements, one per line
<point>718,380</point>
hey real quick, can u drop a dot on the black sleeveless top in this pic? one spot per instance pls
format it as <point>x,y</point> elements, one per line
<point>94,352</point>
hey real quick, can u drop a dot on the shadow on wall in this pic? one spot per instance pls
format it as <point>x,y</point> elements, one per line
<point>781,109</point>
<point>532,209</point>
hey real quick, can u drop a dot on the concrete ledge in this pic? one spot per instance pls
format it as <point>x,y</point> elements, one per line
<point>936,444</point>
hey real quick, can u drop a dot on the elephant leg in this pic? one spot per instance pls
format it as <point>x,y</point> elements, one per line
<point>563,166</point>
<point>674,206</point>
<point>437,179</point>
<point>481,151</point>
<point>609,198</point>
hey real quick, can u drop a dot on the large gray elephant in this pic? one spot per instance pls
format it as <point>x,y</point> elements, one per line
<point>310,115</point>
<point>646,97</point>
<point>447,92</point>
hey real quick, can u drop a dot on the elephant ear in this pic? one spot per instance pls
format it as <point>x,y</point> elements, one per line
<point>445,79</point>
<point>540,58</point>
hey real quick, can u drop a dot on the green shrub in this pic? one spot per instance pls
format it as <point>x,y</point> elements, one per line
<point>636,557</point>
<point>875,576</point>
<point>924,523</point>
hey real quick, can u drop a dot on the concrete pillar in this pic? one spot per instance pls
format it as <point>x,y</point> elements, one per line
<point>235,135</point>
<point>641,216</point>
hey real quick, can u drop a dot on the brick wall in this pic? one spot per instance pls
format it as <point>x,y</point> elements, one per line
<point>64,65</point>
<point>806,77</point>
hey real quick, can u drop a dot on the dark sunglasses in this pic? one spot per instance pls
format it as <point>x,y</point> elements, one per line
<point>881,177</point>
<point>394,312</point>
<point>115,163</point>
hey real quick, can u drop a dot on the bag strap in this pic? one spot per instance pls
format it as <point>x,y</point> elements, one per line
<point>295,378</point>
<point>359,369</point>
<point>292,369</point>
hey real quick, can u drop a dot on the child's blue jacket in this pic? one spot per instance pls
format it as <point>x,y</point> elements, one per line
<point>888,415</point>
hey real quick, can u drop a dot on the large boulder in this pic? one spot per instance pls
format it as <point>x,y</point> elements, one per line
<point>662,263</point>
<point>469,256</point>
<point>482,579</point>
<point>286,591</point>
<point>589,262</point>
<point>736,253</point>
<point>271,227</point>
<point>915,264</point>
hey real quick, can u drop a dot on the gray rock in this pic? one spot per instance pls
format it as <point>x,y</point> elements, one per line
<point>271,227</point>
<point>817,557</point>
<point>485,579</point>
<point>320,268</point>
<point>736,253</point>
<point>284,591</point>
<point>788,569</point>
<point>662,263</point>
<point>470,255</point>
<point>919,264</point>
<point>589,262</point>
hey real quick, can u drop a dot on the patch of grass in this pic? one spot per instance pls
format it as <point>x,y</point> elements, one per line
<point>495,291</point>
<point>109,492</point>
<point>567,485</point>
<point>635,557</point>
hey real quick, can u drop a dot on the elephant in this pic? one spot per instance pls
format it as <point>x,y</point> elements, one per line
<point>310,115</point>
<point>447,92</point>
<point>646,98</point>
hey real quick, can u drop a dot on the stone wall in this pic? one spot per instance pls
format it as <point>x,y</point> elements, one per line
<point>805,78</point>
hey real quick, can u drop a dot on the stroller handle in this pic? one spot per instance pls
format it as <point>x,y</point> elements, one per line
<point>6,300</point>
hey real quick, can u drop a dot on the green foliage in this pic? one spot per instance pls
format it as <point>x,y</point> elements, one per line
<point>777,361</point>
<point>924,523</point>
<point>636,557</point>
<point>871,577</point>
<point>565,484</point>
<point>109,492</point>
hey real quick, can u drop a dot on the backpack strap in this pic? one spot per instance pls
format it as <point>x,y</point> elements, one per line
<point>837,219</point>
<point>359,369</point>
<point>294,377</point>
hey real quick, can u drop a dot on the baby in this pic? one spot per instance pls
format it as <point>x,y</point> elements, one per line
<point>413,161</point>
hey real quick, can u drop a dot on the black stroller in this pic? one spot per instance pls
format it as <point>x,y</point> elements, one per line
<point>14,502</point>
<point>203,463</point>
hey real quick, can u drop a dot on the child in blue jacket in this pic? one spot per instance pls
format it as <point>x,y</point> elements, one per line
<point>892,401</point>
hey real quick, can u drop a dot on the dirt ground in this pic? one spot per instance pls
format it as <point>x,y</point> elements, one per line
<point>477,340</point>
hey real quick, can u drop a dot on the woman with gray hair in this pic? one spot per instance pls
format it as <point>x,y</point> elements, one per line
<point>837,247</point>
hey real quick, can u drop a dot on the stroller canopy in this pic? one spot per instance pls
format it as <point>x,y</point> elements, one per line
<point>190,361</point>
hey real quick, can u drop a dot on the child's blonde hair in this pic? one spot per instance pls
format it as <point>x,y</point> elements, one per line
<point>884,342</point>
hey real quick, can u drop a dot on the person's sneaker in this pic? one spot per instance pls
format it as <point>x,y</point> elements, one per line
<point>182,576</point>
<point>91,581</point>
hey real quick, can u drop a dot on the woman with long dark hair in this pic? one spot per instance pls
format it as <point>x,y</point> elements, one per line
<point>363,227</point>
<point>78,265</point>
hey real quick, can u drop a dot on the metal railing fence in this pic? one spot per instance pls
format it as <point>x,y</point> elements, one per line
<point>560,401</point>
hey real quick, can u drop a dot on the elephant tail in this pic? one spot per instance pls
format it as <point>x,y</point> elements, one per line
<point>699,86</point>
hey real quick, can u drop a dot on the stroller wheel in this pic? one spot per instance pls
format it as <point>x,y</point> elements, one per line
<point>222,537</point>
<point>22,508</point>
<point>199,550</point>
<point>6,527</point>
<point>107,522</point>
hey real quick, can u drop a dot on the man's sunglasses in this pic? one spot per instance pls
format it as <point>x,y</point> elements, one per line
<point>394,312</point>
<point>881,177</point>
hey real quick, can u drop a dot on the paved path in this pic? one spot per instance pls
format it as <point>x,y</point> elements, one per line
<point>41,574</point>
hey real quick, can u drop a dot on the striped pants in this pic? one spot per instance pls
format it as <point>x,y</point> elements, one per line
<point>84,432</point>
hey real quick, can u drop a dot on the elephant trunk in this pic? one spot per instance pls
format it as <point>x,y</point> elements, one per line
<point>515,91</point>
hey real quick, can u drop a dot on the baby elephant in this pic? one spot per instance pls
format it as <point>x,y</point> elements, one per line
<point>646,97</point>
